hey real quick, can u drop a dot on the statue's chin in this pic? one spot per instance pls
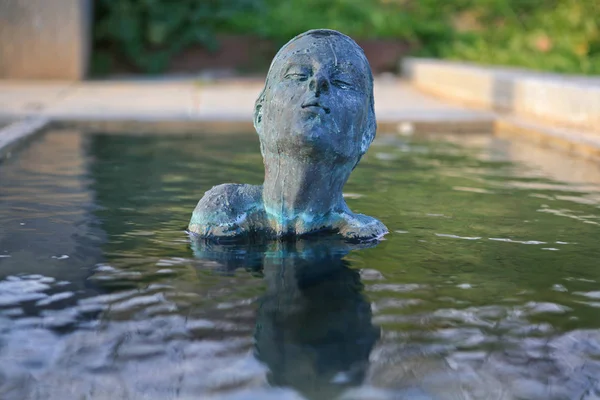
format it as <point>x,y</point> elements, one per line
<point>309,149</point>
<point>309,141</point>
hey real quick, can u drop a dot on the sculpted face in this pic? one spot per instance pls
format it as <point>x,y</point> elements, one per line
<point>317,103</point>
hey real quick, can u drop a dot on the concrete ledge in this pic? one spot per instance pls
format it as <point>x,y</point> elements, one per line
<point>583,144</point>
<point>418,126</point>
<point>17,133</point>
<point>157,127</point>
<point>563,99</point>
<point>408,126</point>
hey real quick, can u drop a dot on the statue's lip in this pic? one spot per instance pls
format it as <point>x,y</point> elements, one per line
<point>315,103</point>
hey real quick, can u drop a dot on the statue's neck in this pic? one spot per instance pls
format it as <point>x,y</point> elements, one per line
<point>298,193</point>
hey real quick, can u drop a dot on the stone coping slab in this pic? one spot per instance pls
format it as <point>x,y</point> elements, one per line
<point>583,144</point>
<point>553,98</point>
<point>15,134</point>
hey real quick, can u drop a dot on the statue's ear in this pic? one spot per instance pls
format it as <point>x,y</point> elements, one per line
<point>258,114</point>
<point>368,135</point>
<point>369,132</point>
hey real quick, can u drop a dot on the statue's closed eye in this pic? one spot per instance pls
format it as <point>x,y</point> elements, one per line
<point>342,84</point>
<point>298,72</point>
<point>297,76</point>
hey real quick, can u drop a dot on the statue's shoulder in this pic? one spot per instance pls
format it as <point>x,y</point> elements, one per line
<point>226,210</point>
<point>361,227</point>
<point>230,197</point>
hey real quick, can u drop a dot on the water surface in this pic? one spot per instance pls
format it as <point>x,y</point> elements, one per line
<point>485,288</point>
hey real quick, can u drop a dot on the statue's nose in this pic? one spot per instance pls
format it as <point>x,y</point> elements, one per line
<point>319,84</point>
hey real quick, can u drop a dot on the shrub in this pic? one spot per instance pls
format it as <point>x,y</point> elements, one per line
<point>149,32</point>
<point>554,35</point>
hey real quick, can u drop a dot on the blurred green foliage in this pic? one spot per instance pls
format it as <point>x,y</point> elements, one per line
<point>408,20</point>
<point>149,32</point>
<point>553,35</point>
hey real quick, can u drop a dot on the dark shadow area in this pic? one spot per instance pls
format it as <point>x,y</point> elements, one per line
<point>313,326</point>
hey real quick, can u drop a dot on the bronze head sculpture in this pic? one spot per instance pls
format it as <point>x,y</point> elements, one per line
<point>315,119</point>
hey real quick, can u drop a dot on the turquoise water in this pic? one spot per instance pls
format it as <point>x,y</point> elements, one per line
<point>485,288</point>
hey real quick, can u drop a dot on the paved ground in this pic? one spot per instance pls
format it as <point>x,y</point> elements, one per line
<point>159,105</point>
<point>192,100</point>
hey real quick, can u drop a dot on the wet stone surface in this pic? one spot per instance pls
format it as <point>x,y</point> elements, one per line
<point>485,287</point>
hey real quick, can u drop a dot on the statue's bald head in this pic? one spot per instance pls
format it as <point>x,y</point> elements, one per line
<point>327,65</point>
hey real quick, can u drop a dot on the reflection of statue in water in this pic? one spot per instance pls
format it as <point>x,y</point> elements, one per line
<point>315,119</point>
<point>313,328</point>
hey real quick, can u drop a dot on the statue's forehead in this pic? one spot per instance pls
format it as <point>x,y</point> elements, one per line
<point>332,49</point>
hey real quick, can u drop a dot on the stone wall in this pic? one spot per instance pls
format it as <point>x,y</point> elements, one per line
<point>564,99</point>
<point>44,39</point>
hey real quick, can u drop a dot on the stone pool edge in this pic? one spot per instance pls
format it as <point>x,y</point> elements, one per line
<point>17,133</point>
<point>552,110</point>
